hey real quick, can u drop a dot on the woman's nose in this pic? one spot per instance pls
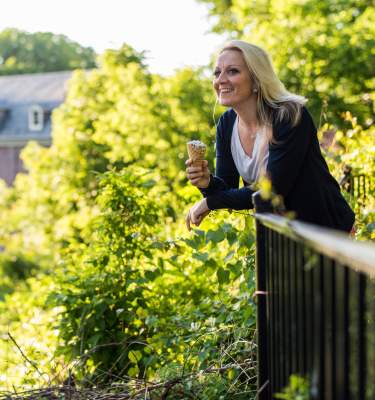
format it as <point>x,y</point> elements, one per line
<point>222,77</point>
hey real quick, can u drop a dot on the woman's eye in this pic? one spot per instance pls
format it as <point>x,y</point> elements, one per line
<point>216,74</point>
<point>233,71</point>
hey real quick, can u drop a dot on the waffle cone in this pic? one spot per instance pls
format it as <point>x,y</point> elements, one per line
<point>197,152</point>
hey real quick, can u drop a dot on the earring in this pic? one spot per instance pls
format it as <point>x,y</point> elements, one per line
<point>255,90</point>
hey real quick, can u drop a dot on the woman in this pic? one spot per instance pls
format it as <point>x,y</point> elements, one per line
<point>266,131</point>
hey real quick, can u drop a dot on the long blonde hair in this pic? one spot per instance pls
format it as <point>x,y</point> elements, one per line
<point>274,102</point>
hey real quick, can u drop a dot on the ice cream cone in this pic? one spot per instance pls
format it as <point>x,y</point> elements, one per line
<point>197,151</point>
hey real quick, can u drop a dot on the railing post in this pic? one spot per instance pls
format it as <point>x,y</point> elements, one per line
<point>262,356</point>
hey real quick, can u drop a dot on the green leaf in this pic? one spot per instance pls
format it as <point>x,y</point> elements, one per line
<point>232,237</point>
<point>194,242</point>
<point>151,275</point>
<point>215,236</point>
<point>201,256</point>
<point>222,276</point>
<point>133,371</point>
<point>135,356</point>
<point>148,184</point>
<point>93,340</point>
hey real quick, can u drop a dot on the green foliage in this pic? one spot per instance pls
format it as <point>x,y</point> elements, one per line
<point>99,276</point>
<point>101,215</point>
<point>105,304</point>
<point>354,146</point>
<point>22,52</point>
<point>17,267</point>
<point>25,318</point>
<point>298,389</point>
<point>322,50</point>
<point>122,300</point>
<point>14,269</point>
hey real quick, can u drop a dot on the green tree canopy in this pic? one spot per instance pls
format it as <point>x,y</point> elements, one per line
<point>22,52</point>
<point>321,49</point>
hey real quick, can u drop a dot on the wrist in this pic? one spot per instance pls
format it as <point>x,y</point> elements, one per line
<point>207,185</point>
<point>204,202</point>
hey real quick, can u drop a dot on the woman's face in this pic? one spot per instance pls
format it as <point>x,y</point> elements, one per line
<point>232,81</point>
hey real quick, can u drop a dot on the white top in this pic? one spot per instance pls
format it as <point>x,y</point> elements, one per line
<point>248,167</point>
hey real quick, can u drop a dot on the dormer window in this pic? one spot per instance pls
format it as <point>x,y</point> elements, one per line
<point>36,118</point>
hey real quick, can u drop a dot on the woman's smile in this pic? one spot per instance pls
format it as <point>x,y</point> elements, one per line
<point>226,90</point>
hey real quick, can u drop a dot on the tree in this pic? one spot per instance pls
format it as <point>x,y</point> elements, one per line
<point>321,49</point>
<point>22,52</point>
<point>97,224</point>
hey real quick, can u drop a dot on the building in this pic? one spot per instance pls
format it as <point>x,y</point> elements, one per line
<point>26,104</point>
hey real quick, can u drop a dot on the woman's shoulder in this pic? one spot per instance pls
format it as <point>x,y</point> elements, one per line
<point>306,116</point>
<point>286,130</point>
<point>288,122</point>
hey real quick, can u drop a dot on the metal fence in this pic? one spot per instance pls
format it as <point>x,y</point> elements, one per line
<point>357,185</point>
<point>316,310</point>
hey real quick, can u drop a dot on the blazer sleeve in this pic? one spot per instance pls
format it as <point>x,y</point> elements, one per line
<point>223,191</point>
<point>226,175</point>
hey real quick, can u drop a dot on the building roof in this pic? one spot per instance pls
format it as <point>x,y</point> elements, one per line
<point>19,92</point>
<point>41,88</point>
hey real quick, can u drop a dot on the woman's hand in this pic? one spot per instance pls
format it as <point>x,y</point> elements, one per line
<point>197,213</point>
<point>198,176</point>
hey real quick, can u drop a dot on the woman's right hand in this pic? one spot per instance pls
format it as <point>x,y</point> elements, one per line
<point>198,176</point>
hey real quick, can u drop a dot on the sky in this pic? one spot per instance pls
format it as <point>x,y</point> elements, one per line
<point>174,32</point>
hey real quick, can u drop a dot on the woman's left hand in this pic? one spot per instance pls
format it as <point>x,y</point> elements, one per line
<point>197,213</point>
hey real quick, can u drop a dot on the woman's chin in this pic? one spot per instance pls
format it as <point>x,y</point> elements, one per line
<point>224,102</point>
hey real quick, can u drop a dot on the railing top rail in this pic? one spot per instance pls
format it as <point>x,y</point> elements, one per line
<point>357,255</point>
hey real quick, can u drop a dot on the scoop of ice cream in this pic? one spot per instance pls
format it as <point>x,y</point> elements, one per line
<point>196,150</point>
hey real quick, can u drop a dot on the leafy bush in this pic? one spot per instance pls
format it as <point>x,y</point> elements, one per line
<point>298,389</point>
<point>140,303</point>
<point>353,146</point>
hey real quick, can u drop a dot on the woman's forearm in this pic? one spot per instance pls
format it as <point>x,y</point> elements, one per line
<point>236,199</point>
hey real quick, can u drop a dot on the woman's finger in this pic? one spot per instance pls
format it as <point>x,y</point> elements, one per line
<point>199,220</point>
<point>195,174</point>
<point>187,221</point>
<point>195,181</point>
<point>202,217</point>
<point>192,170</point>
<point>193,216</point>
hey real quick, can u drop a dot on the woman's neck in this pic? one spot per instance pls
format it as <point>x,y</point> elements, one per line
<point>247,116</point>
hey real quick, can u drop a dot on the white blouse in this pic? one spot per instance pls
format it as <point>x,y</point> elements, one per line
<point>248,167</point>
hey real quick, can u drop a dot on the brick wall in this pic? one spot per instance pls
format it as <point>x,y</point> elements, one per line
<point>10,163</point>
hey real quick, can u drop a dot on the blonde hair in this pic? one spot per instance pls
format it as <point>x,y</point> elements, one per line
<point>274,102</point>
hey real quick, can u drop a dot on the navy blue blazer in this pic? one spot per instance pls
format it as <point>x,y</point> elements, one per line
<point>297,170</point>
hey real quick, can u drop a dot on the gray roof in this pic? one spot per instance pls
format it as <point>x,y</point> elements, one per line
<point>41,88</point>
<point>19,92</point>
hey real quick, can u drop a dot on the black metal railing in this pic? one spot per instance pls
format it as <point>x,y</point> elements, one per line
<point>316,310</point>
<point>357,185</point>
